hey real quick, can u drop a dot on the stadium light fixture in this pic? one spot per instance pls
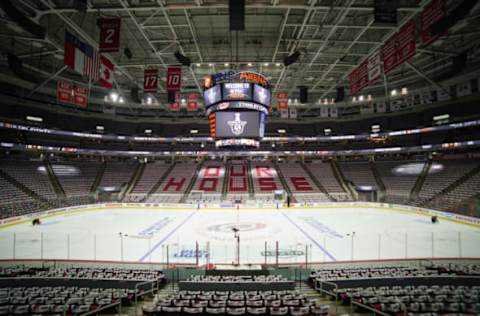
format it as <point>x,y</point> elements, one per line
<point>281,131</point>
<point>404,91</point>
<point>148,131</point>
<point>194,131</point>
<point>121,100</point>
<point>441,119</point>
<point>114,96</point>
<point>266,64</point>
<point>149,100</point>
<point>277,64</point>
<point>100,128</point>
<point>375,128</point>
<point>327,131</point>
<point>249,64</point>
<point>393,92</point>
<point>226,64</point>
<point>198,64</point>
<point>37,119</point>
<point>369,97</point>
<point>354,99</point>
<point>210,64</point>
<point>360,98</point>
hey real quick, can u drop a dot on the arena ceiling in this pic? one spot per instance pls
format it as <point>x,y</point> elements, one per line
<point>333,37</point>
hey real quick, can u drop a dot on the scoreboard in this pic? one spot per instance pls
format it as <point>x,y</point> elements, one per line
<point>237,105</point>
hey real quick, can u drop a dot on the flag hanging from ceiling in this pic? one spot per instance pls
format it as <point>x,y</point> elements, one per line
<point>106,72</point>
<point>81,57</point>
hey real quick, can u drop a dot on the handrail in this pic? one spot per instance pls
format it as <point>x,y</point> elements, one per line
<point>375,311</point>
<point>328,292</point>
<point>95,311</point>
<point>144,292</point>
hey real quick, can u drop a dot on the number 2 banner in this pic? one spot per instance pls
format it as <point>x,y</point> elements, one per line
<point>150,80</point>
<point>109,34</point>
<point>174,78</point>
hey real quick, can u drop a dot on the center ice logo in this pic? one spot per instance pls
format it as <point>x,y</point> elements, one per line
<point>237,126</point>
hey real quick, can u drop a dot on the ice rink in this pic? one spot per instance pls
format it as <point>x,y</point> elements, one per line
<point>322,234</point>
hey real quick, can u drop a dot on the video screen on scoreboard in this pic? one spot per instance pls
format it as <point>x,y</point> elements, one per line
<point>232,124</point>
<point>212,96</point>
<point>237,91</point>
<point>261,95</point>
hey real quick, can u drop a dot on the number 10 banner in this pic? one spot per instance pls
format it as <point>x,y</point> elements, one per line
<point>174,78</point>
<point>109,34</point>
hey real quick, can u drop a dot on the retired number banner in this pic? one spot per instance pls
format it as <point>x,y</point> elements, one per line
<point>150,80</point>
<point>282,101</point>
<point>109,34</point>
<point>192,102</point>
<point>174,78</point>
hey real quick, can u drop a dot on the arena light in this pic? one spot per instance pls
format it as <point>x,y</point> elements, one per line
<point>277,64</point>
<point>249,64</point>
<point>393,92</point>
<point>266,64</point>
<point>375,128</point>
<point>194,131</point>
<point>226,64</point>
<point>327,131</point>
<point>442,117</point>
<point>114,96</point>
<point>281,131</point>
<point>360,98</point>
<point>100,128</point>
<point>121,100</point>
<point>198,65</point>
<point>404,91</point>
<point>148,131</point>
<point>37,119</point>
<point>210,64</point>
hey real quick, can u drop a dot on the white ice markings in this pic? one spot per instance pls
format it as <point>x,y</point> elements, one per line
<point>309,237</point>
<point>166,237</point>
<point>155,228</point>
<point>320,227</point>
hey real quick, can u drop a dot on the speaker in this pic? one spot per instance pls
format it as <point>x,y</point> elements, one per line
<point>385,11</point>
<point>441,26</point>
<point>340,94</point>
<point>134,95</point>
<point>182,59</point>
<point>19,17</point>
<point>171,97</point>
<point>303,91</point>
<point>287,61</point>
<point>236,12</point>
<point>128,53</point>
<point>80,5</point>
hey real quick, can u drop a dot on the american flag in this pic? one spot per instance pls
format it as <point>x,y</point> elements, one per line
<point>81,57</point>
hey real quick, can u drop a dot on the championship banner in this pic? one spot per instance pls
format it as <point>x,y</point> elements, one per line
<point>192,102</point>
<point>150,80</point>
<point>358,78</point>
<point>406,46</point>
<point>282,101</point>
<point>64,92</point>
<point>390,54</point>
<point>324,111</point>
<point>68,93</point>
<point>80,96</point>
<point>109,34</point>
<point>174,78</point>
<point>374,65</point>
<point>175,107</point>
<point>284,113</point>
<point>333,111</point>
<point>432,13</point>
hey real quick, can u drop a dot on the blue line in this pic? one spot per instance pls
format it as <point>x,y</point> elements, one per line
<point>309,237</point>
<point>166,237</point>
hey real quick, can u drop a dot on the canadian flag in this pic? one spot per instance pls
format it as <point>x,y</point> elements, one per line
<point>106,72</point>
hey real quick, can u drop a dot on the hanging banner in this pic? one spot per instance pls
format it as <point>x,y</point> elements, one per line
<point>464,89</point>
<point>150,80</point>
<point>69,93</point>
<point>358,78</point>
<point>174,78</point>
<point>282,101</point>
<point>432,13</point>
<point>406,46</point>
<point>64,92</point>
<point>324,111</point>
<point>374,67</point>
<point>390,54</point>
<point>175,107</point>
<point>109,34</point>
<point>80,96</point>
<point>333,111</point>
<point>192,102</point>
<point>284,113</point>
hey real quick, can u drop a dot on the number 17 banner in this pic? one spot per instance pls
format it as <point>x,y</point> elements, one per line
<point>174,78</point>
<point>150,80</point>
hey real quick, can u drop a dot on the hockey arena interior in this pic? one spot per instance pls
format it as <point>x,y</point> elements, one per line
<point>241,157</point>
